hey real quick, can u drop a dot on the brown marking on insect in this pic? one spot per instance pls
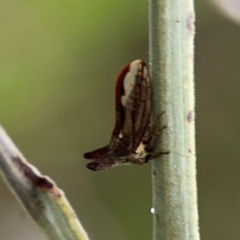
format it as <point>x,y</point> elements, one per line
<point>189,150</point>
<point>118,105</point>
<point>157,217</point>
<point>190,116</point>
<point>190,23</point>
<point>135,133</point>
<point>39,181</point>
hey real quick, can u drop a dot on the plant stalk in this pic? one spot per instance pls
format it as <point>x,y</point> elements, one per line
<point>171,34</point>
<point>38,194</point>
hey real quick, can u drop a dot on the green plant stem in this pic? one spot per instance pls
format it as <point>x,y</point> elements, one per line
<point>171,24</point>
<point>38,194</point>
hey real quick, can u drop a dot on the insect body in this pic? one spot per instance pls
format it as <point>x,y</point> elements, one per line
<point>135,134</point>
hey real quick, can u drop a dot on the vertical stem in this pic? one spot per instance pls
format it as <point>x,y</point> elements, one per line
<point>171,24</point>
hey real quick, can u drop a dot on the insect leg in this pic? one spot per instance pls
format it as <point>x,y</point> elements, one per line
<point>156,155</point>
<point>153,139</point>
<point>152,134</point>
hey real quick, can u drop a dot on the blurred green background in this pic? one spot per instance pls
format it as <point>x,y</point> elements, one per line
<point>58,65</point>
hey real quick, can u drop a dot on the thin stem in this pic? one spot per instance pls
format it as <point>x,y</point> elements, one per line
<point>38,194</point>
<point>171,24</point>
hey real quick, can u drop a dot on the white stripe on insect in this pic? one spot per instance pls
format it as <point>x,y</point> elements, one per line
<point>129,79</point>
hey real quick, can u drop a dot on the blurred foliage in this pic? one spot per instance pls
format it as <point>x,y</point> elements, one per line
<point>229,8</point>
<point>59,61</point>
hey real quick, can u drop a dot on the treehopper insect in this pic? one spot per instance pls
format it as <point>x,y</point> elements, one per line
<point>135,133</point>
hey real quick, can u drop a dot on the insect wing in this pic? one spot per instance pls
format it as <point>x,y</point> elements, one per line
<point>102,159</point>
<point>96,154</point>
<point>136,102</point>
<point>101,166</point>
<point>120,115</point>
